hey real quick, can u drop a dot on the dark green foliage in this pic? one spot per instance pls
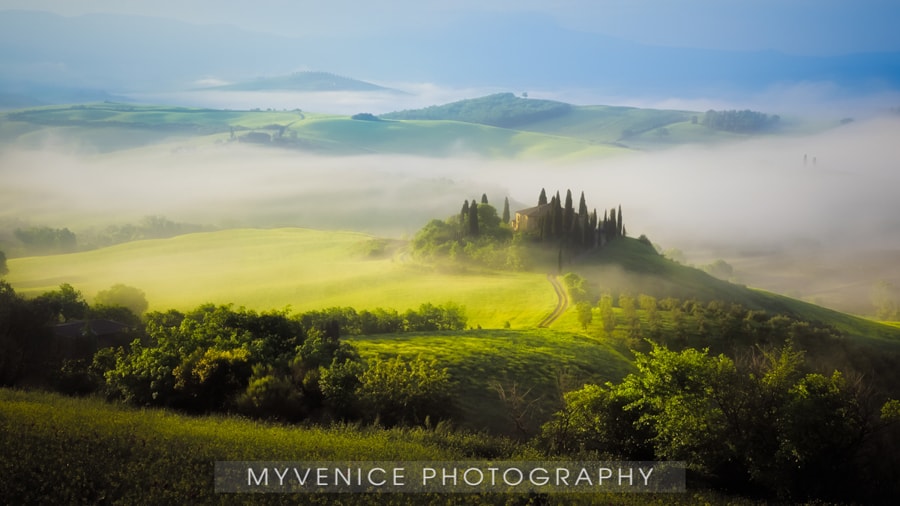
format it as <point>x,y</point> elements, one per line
<point>505,218</point>
<point>501,110</point>
<point>24,338</point>
<point>542,198</point>
<point>210,349</point>
<point>61,305</point>
<point>398,391</point>
<point>478,235</point>
<point>122,295</point>
<point>150,227</point>
<point>4,270</point>
<point>472,220</point>
<point>745,121</point>
<point>463,218</point>
<point>365,116</point>
<point>568,215</point>
<point>761,425</point>
<point>46,240</point>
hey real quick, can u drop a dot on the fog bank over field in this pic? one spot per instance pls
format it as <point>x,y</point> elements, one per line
<point>827,229</point>
<point>756,195</point>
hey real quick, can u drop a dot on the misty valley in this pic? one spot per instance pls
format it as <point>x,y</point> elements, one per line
<point>501,278</point>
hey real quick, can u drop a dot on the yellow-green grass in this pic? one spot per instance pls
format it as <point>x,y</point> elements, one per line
<point>534,360</point>
<point>271,269</point>
<point>58,450</point>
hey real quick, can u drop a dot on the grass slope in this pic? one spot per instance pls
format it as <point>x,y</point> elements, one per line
<point>109,127</point>
<point>534,360</point>
<point>57,450</point>
<point>442,138</point>
<point>631,266</point>
<point>264,269</point>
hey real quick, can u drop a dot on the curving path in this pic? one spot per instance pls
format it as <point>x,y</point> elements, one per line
<point>562,302</point>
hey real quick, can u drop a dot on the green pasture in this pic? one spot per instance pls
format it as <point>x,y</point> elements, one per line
<point>59,450</point>
<point>443,138</point>
<point>301,268</point>
<point>62,450</point>
<point>540,361</point>
<point>601,123</point>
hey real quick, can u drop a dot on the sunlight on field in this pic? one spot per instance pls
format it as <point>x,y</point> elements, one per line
<point>271,269</point>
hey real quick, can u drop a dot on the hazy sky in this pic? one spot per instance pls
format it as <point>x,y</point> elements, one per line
<point>793,26</point>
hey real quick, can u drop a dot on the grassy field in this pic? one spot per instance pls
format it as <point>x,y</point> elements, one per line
<point>445,138</point>
<point>73,451</point>
<point>109,127</point>
<point>301,268</point>
<point>630,266</point>
<point>58,450</point>
<point>539,361</point>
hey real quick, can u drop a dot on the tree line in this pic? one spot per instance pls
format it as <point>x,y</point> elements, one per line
<point>44,240</point>
<point>745,121</point>
<point>221,359</point>
<point>760,425</point>
<point>560,222</point>
<point>479,235</point>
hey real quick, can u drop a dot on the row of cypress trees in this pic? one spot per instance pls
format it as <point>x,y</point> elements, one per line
<point>558,221</point>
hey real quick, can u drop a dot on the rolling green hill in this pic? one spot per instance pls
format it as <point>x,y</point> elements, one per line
<point>109,127</point>
<point>306,269</point>
<point>496,126</point>
<point>534,360</point>
<point>310,269</point>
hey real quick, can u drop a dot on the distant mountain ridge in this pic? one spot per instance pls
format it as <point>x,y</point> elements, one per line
<point>305,81</point>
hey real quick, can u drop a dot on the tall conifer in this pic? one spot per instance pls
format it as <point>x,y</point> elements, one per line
<point>484,198</point>
<point>464,218</point>
<point>568,214</point>
<point>506,216</point>
<point>613,226</point>
<point>621,230</point>
<point>473,219</point>
<point>542,199</point>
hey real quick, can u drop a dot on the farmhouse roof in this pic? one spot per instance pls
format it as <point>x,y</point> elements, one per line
<point>97,328</point>
<point>532,211</point>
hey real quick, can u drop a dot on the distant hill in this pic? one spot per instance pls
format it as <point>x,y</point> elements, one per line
<point>305,81</point>
<point>503,110</point>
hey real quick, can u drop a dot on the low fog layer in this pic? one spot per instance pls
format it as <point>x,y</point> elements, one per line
<point>836,188</point>
<point>784,198</point>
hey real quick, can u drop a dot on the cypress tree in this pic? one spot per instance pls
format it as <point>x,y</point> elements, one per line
<point>613,227</point>
<point>583,221</point>
<point>484,198</point>
<point>542,199</point>
<point>463,218</point>
<point>568,215</point>
<point>621,230</point>
<point>506,216</point>
<point>473,219</point>
<point>558,218</point>
<point>552,218</point>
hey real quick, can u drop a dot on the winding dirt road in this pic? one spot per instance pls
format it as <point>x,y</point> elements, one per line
<point>562,302</point>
